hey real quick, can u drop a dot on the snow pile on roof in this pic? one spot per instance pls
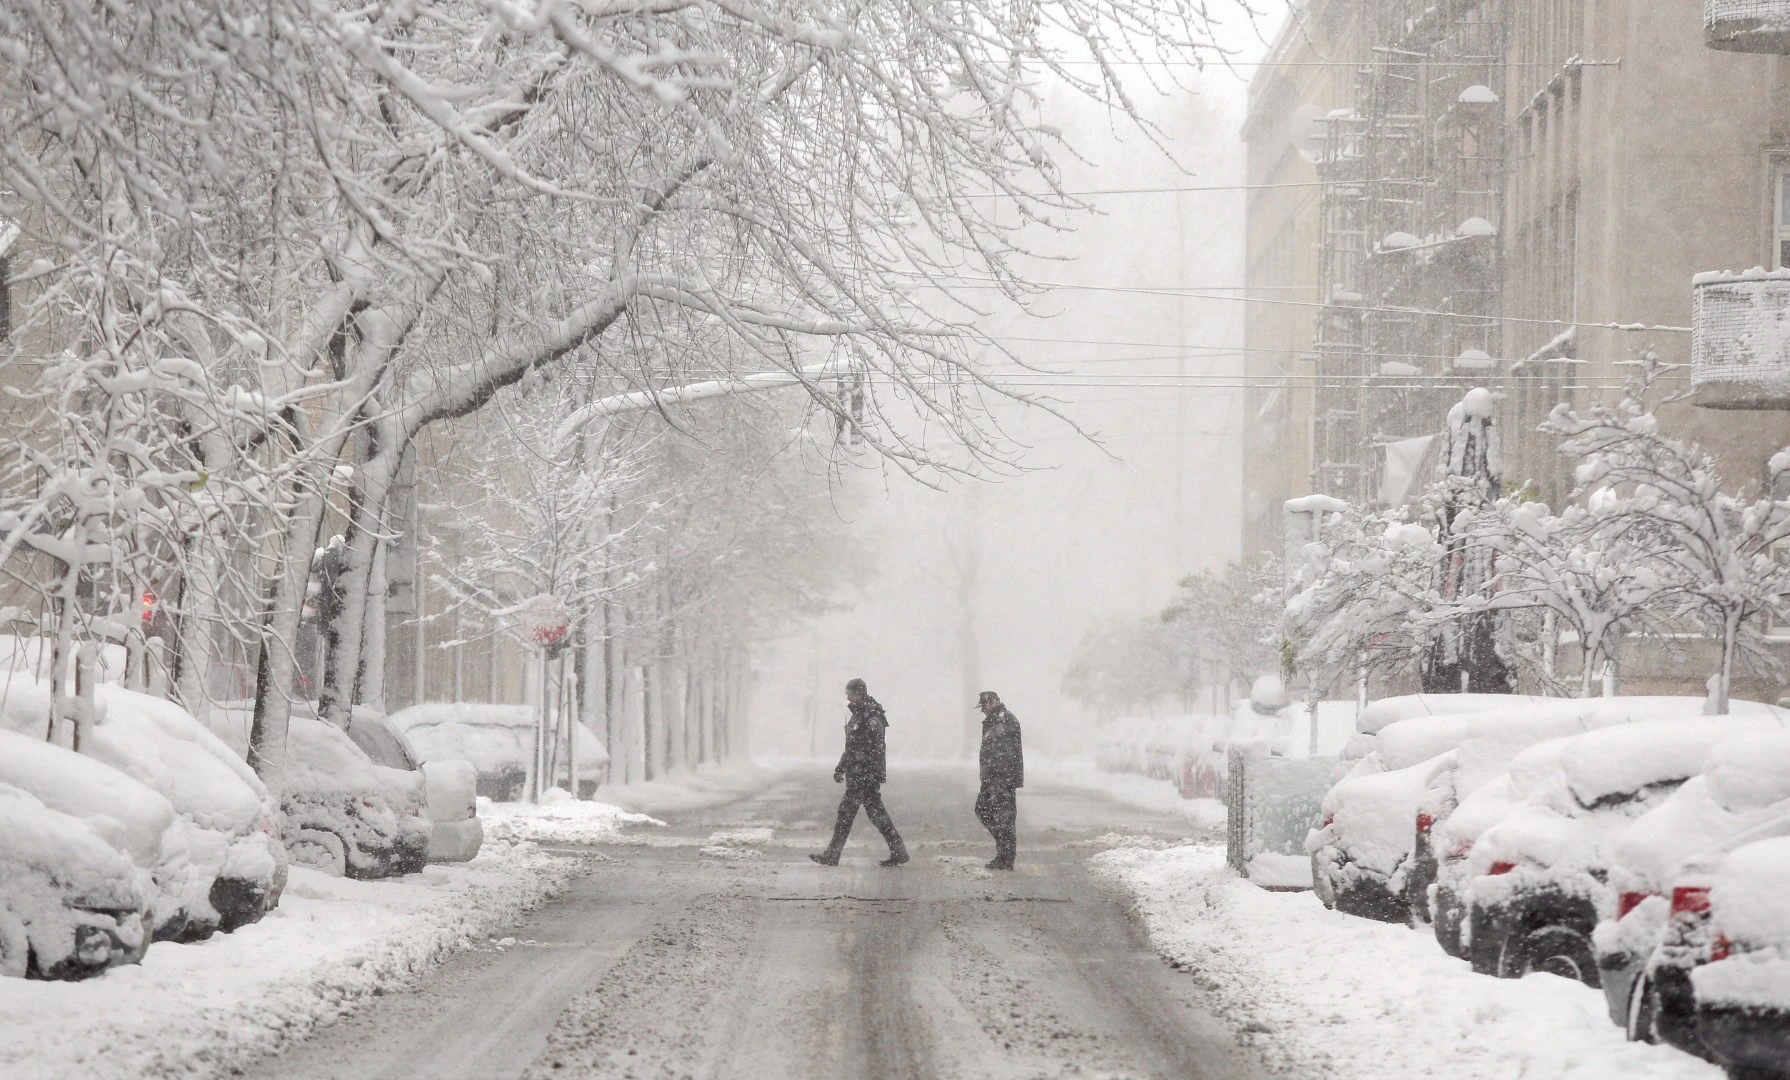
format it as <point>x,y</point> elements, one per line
<point>1400,369</point>
<point>1750,771</point>
<point>1478,94</point>
<point>213,1008</point>
<point>492,737</point>
<point>1615,761</point>
<point>558,819</point>
<point>1325,994</point>
<point>1476,226</point>
<point>1474,359</point>
<point>1378,714</point>
<point>1747,905</point>
<point>1395,241</point>
<point>1325,504</point>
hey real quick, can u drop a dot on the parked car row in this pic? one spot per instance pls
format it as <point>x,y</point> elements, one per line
<point>1633,844</point>
<point>161,834</point>
<point>157,830</point>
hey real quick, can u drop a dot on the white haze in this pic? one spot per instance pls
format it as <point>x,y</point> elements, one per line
<point>1092,531</point>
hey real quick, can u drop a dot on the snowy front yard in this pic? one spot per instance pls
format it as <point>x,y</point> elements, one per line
<point>1319,993</point>
<point>202,1009</point>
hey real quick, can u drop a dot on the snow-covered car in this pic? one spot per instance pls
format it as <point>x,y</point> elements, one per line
<point>71,904</point>
<point>345,814</point>
<point>1743,993</point>
<point>233,836</point>
<point>1373,856</point>
<point>1660,874</point>
<point>450,787</point>
<point>129,815</point>
<point>235,862</point>
<point>1537,883</point>
<point>499,742</point>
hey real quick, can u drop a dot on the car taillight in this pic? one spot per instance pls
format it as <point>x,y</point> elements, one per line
<point>1628,902</point>
<point>1720,947</point>
<point>1690,900</point>
<point>1424,821</point>
<point>1502,867</point>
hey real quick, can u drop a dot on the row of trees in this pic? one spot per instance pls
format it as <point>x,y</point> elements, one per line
<point>1652,547</point>
<point>269,245</point>
<point>1223,624</point>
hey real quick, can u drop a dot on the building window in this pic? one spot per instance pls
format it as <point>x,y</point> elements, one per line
<point>1780,215</point>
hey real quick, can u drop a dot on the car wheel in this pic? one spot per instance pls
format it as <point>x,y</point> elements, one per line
<point>318,850</point>
<point>1322,885</point>
<point>1641,1009</point>
<point>1556,950</point>
<point>15,947</point>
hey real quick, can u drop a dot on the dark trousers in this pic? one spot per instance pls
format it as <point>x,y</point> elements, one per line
<point>997,810</point>
<point>870,797</point>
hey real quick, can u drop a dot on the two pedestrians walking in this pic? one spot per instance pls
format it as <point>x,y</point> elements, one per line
<point>863,769</point>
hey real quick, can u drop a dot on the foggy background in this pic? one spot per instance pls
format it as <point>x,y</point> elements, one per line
<point>1091,532</point>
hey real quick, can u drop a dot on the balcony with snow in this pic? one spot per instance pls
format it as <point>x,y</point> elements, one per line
<point>1740,339</point>
<point>1749,26</point>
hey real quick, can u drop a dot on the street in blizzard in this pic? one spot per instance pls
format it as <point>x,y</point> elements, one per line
<point>1277,516</point>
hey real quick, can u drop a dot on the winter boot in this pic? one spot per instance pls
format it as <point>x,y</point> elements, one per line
<point>826,858</point>
<point>897,855</point>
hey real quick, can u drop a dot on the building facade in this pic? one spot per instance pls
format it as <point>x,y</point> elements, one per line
<point>1515,194</point>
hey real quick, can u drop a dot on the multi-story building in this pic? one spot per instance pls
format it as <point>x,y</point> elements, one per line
<point>1518,194</point>
<point>1288,102</point>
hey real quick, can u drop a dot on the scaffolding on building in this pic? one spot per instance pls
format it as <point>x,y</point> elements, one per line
<point>1409,248</point>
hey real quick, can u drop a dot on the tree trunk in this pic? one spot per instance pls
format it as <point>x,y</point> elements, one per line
<point>1730,635</point>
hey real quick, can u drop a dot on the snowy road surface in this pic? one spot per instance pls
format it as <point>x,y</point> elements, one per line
<point>715,948</point>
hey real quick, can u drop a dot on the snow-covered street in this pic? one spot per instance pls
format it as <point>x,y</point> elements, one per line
<point>714,948</point>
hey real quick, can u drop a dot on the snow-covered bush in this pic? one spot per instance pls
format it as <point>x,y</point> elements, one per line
<point>1714,551</point>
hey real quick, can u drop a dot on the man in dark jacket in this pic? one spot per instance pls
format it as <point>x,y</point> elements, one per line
<point>862,769</point>
<point>1003,773</point>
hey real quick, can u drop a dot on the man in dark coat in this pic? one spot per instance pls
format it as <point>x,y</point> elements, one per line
<point>1003,773</point>
<point>862,769</point>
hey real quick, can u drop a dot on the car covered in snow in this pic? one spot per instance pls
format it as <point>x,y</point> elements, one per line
<point>1660,875</point>
<point>71,903</point>
<point>235,864</point>
<point>450,786</point>
<point>1372,855</point>
<point>1743,993</point>
<point>129,815</point>
<point>345,814</point>
<point>499,742</point>
<point>1536,884</point>
<point>233,834</point>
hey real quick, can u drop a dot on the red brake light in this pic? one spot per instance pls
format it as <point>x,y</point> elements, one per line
<point>1720,947</point>
<point>1628,902</point>
<point>1424,821</point>
<point>1502,867</point>
<point>1690,900</point>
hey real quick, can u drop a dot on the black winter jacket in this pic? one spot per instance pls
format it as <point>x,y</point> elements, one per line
<point>865,760</point>
<point>1003,760</point>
